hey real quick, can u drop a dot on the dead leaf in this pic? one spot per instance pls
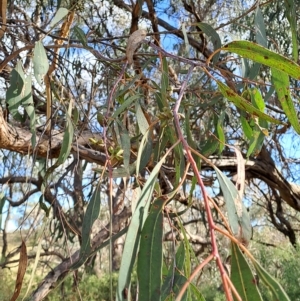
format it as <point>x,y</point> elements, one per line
<point>134,42</point>
<point>21,271</point>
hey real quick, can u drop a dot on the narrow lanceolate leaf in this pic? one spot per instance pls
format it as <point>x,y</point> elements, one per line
<point>60,14</point>
<point>214,37</point>
<point>40,62</point>
<point>21,271</point>
<point>262,55</point>
<point>256,141</point>
<point>281,83</point>
<point>186,40</point>
<point>260,29</point>
<point>292,17</point>
<point>149,264</point>
<point>162,97</point>
<point>133,234</point>
<point>125,143</point>
<point>220,132</point>
<point>67,142</point>
<point>242,277</point>
<point>144,152</point>
<point>92,213</point>
<point>80,35</point>
<point>276,289</point>
<point>141,119</point>
<point>238,216</point>
<point>243,104</point>
<point>15,95</point>
<point>2,203</point>
<point>29,108</point>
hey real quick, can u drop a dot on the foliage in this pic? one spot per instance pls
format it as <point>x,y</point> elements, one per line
<point>107,129</point>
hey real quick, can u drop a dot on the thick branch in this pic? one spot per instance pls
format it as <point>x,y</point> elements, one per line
<point>18,139</point>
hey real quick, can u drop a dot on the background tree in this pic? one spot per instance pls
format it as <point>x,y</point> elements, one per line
<point>183,110</point>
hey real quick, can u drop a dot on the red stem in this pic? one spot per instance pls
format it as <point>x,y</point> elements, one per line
<point>215,252</point>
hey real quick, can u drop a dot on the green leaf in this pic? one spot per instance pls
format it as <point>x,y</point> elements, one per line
<point>149,264</point>
<point>238,216</point>
<point>256,141</point>
<point>210,146</point>
<point>260,29</point>
<point>164,84</point>
<point>220,132</point>
<point>29,108</point>
<point>292,18</point>
<point>246,127</point>
<point>67,142</point>
<point>214,37</point>
<point>125,105</point>
<point>2,203</point>
<point>43,206</point>
<point>126,146</point>
<point>60,14</point>
<point>257,99</point>
<point>80,35</point>
<point>186,40</point>
<point>281,83</point>
<point>242,277</point>
<point>243,104</point>
<point>92,213</point>
<point>133,234</point>
<point>276,289</point>
<point>141,119</point>
<point>144,152</point>
<point>40,62</point>
<point>14,95</point>
<point>262,55</point>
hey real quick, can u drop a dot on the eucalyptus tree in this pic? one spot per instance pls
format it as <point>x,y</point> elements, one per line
<point>178,118</point>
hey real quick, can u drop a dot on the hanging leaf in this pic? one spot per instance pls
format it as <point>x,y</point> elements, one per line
<point>29,108</point>
<point>256,141</point>
<point>14,95</point>
<point>21,271</point>
<point>220,132</point>
<point>126,145</point>
<point>242,277</point>
<point>149,263</point>
<point>80,35</point>
<point>260,29</point>
<point>262,55</point>
<point>281,83</point>
<point>2,203</point>
<point>125,105</point>
<point>144,152</point>
<point>60,14</point>
<point>186,40</point>
<point>214,37</point>
<point>40,62</point>
<point>134,41</point>
<point>276,289</point>
<point>292,18</point>
<point>67,141</point>
<point>133,234</point>
<point>165,85</point>
<point>246,127</point>
<point>91,214</point>
<point>141,119</point>
<point>237,213</point>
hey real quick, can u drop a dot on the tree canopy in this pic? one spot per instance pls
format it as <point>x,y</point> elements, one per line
<point>166,132</point>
